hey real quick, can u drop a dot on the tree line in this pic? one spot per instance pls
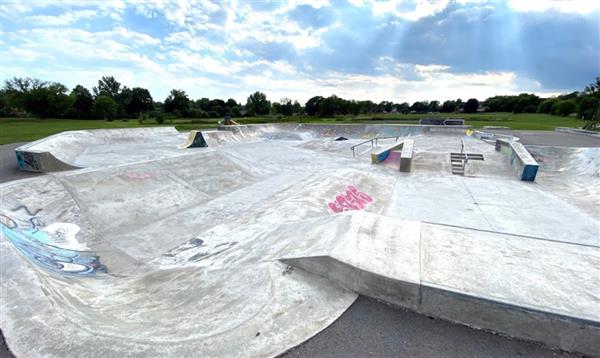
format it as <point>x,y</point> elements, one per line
<point>110,99</point>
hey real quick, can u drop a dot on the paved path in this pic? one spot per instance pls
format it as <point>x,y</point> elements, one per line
<point>372,329</point>
<point>550,138</point>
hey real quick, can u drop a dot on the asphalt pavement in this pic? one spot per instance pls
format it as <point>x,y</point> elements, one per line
<point>549,138</point>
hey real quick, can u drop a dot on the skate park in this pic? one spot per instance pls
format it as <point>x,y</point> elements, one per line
<point>249,240</point>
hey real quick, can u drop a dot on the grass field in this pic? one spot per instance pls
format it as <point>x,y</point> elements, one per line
<point>27,129</point>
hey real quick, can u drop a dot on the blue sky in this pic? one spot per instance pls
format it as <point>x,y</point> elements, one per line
<point>362,49</point>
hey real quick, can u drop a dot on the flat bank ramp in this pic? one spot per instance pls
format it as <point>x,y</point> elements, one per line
<point>517,286</point>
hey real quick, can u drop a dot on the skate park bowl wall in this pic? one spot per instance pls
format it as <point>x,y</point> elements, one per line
<point>525,166</point>
<point>81,148</point>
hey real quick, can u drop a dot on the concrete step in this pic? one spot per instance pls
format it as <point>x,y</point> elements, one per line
<point>469,156</point>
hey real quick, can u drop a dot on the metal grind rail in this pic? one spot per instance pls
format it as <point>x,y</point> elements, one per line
<point>374,141</point>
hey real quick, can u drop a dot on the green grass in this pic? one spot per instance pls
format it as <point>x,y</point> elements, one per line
<point>14,130</point>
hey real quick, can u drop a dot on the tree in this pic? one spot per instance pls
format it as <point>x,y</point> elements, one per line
<point>297,108</point>
<point>471,106</point>
<point>594,88</point>
<point>285,107</point>
<point>17,89</point>
<point>422,106</point>
<point>218,106</point>
<point>123,98</point>
<point>563,107</point>
<point>403,108</point>
<point>546,105</point>
<point>177,103</point>
<point>257,103</point>
<point>448,107</point>
<point>231,103</point>
<point>139,101</point>
<point>105,107</point>
<point>434,106</point>
<point>312,105</point>
<point>48,101</point>
<point>107,86</point>
<point>82,102</point>
<point>203,103</point>
<point>329,106</point>
<point>587,107</point>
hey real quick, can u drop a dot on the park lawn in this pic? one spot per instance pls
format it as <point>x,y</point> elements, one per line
<point>14,130</point>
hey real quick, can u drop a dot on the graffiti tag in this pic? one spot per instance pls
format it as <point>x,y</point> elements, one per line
<point>53,247</point>
<point>351,199</point>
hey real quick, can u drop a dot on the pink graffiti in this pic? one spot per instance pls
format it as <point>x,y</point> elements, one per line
<point>140,176</point>
<point>352,199</point>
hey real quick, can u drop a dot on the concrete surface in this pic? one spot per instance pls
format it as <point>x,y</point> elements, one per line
<point>130,257</point>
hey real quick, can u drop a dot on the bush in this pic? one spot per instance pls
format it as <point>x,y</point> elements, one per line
<point>563,108</point>
<point>195,113</point>
<point>160,118</point>
<point>213,114</point>
<point>143,117</point>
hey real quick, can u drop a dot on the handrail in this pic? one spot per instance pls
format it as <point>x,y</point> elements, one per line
<point>463,155</point>
<point>374,139</point>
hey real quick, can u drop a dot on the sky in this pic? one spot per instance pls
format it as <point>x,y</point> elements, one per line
<point>361,49</point>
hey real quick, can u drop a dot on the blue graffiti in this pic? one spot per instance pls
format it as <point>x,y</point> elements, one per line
<point>35,245</point>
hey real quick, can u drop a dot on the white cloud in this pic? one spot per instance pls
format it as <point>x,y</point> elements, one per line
<point>573,6</point>
<point>430,68</point>
<point>76,45</point>
<point>63,19</point>
<point>409,9</point>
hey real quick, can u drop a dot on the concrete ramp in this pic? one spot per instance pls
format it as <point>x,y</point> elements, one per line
<point>195,140</point>
<point>98,148</point>
<point>34,161</point>
<point>503,283</point>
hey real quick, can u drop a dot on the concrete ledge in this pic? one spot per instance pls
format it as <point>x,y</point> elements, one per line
<point>518,286</point>
<point>555,330</point>
<point>381,154</point>
<point>525,166</point>
<point>406,155</point>
<point>487,136</point>
<point>578,131</point>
